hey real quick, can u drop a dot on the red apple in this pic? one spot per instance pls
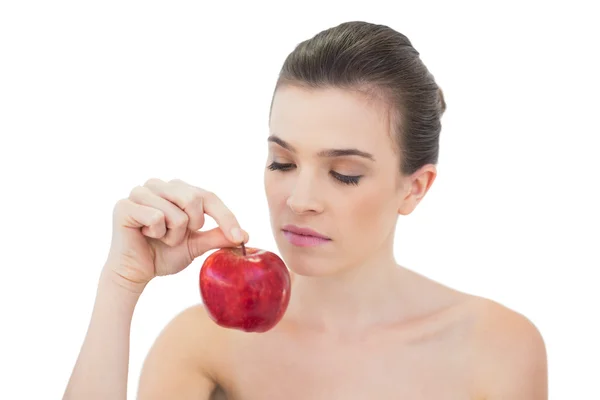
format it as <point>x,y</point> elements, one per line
<point>245,288</point>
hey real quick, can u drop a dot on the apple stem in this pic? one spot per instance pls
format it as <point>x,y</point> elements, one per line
<point>243,249</point>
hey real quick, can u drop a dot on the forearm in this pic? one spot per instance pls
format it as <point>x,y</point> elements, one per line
<point>101,370</point>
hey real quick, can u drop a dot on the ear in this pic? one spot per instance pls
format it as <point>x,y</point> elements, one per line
<point>416,187</point>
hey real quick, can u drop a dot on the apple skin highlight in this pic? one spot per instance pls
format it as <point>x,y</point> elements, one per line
<point>245,288</point>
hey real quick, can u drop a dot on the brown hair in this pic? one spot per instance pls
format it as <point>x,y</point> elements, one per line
<point>379,61</point>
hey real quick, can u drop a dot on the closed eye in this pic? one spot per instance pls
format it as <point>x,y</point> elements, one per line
<point>345,179</point>
<point>280,167</point>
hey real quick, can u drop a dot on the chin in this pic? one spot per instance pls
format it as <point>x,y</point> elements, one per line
<point>306,261</point>
<point>307,264</point>
<point>305,270</point>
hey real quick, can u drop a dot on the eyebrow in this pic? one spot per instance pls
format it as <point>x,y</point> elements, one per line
<point>323,153</point>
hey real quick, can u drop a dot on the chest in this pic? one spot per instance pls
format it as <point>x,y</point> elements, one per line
<point>378,368</point>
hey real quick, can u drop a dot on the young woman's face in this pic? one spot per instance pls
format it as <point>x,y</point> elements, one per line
<point>332,168</point>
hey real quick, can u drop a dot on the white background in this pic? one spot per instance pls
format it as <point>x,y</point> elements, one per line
<point>97,97</point>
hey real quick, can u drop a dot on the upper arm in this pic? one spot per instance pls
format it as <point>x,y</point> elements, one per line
<point>512,361</point>
<point>176,365</point>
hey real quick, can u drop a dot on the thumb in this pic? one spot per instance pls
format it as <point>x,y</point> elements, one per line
<point>202,241</point>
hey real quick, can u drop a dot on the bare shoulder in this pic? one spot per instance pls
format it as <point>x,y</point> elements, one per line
<point>180,362</point>
<point>191,331</point>
<point>511,360</point>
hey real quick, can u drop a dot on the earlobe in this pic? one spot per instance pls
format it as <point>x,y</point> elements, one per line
<point>408,204</point>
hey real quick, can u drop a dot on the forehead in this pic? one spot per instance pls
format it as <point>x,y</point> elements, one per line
<point>329,117</point>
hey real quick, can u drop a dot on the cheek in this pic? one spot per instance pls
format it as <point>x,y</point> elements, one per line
<point>274,190</point>
<point>369,210</point>
<point>366,207</point>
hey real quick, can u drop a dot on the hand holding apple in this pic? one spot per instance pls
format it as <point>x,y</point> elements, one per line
<point>245,288</point>
<point>156,231</point>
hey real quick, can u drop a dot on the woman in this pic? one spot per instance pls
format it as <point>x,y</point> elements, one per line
<point>354,132</point>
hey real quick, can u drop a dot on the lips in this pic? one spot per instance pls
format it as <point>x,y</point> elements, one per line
<point>304,232</point>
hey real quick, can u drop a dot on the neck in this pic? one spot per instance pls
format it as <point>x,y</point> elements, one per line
<point>353,300</point>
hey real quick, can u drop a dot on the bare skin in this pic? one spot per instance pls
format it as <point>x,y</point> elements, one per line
<point>357,326</point>
<point>395,359</point>
<point>454,346</point>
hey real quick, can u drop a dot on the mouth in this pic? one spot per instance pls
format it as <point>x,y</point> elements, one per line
<point>304,237</point>
<point>304,232</point>
<point>304,240</point>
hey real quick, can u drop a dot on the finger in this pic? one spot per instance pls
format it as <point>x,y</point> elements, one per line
<point>197,201</point>
<point>132,215</point>
<point>176,220</point>
<point>226,220</point>
<point>187,198</point>
<point>203,241</point>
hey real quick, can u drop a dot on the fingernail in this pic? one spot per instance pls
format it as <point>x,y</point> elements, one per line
<point>237,235</point>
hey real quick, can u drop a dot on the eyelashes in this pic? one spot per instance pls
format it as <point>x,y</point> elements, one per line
<point>345,179</point>
<point>275,166</point>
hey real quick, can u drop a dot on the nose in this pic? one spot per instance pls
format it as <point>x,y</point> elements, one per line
<point>302,199</point>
